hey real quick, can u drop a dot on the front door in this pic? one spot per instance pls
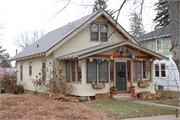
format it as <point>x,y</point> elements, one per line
<point>121,76</point>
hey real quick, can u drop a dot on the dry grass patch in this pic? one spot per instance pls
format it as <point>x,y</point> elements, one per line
<point>18,107</point>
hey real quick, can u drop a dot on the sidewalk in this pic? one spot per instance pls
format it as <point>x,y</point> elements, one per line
<point>159,117</point>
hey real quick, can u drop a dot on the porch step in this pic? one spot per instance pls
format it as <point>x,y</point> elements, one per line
<point>123,96</point>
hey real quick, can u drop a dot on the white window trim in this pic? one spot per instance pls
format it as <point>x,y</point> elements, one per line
<point>161,45</point>
<point>99,32</point>
<point>160,69</point>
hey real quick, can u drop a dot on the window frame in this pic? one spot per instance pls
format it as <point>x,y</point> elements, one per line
<point>30,69</point>
<point>160,75</point>
<point>141,64</point>
<point>69,71</point>
<point>99,32</point>
<point>87,71</point>
<point>105,71</point>
<point>156,70</point>
<point>21,71</point>
<point>73,70</point>
<point>79,71</point>
<point>129,81</point>
<point>111,71</point>
<point>95,32</point>
<point>146,71</point>
<point>157,45</point>
<point>103,32</point>
<point>43,80</point>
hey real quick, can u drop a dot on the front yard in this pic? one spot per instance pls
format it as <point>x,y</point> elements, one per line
<point>30,106</point>
<point>125,109</point>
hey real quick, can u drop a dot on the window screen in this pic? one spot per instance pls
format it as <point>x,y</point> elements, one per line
<point>91,71</point>
<point>103,72</point>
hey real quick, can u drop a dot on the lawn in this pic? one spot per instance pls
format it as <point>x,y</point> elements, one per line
<point>125,109</point>
<point>168,102</point>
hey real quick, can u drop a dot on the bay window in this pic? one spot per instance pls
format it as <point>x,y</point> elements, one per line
<point>91,71</point>
<point>73,71</point>
<point>103,72</point>
<point>137,71</point>
<point>146,70</point>
<point>79,68</point>
<point>112,71</point>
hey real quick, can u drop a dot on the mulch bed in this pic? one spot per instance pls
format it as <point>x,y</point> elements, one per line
<point>26,108</point>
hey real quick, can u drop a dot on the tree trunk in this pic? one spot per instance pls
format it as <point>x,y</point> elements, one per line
<point>174,13</point>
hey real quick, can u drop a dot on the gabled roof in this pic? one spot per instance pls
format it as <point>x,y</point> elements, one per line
<point>53,38</point>
<point>162,32</point>
<point>101,48</point>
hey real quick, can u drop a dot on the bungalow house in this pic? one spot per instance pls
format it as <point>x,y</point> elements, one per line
<point>91,49</point>
<point>166,75</point>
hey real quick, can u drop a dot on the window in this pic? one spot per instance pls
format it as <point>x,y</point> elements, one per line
<point>103,30</point>
<point>21,72</point>
<point>163,70</point>
<point>43,71</point>
<point>94,32</point>
<point>129,70</point>
<point>30,69</point>
<point>156,70</point>
<point>73,71</point>
<point>112,70</point>
<point>159,45</point>
<point>79,68</point>
<point>91,71</point>
<point>160,70</point>
<point>137,71</point>
<point>67,71</point>
<point>103,72</point>
<point>146,70</point>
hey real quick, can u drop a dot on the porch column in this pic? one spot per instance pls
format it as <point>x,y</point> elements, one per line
<point>152,72</point>
<point>83,71</point>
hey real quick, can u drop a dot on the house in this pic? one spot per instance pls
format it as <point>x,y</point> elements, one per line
<point>166,76</point>
<point>90,52</point>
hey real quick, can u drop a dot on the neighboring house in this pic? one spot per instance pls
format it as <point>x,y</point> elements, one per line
<point>84,49</point>
<point>166,76</point>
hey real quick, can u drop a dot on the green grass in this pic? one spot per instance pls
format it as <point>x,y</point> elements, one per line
<point>168,102</point>
<point>125,109</point>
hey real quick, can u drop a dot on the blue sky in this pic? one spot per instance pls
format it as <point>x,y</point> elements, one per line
<point>20,15</point>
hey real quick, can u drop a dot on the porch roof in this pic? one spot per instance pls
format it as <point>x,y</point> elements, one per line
<point>104,47</point>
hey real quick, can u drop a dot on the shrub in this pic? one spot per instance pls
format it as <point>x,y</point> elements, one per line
<point>9,81</point>
<point>166,94</point>
<point>55,81</point>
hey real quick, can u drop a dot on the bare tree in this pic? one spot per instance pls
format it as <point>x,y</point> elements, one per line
<point>1,28</point>
<point>26,38</point>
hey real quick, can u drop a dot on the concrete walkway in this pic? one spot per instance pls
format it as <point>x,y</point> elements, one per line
<point>159,117</point>
<point>150,103</point>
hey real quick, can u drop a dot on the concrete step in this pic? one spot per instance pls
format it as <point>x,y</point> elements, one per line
<point>123,96</point>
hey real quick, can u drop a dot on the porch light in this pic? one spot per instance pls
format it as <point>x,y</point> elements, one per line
<point>122,53</point>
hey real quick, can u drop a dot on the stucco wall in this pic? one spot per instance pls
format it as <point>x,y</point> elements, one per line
<point>83,40</point>
<point>36,68</point>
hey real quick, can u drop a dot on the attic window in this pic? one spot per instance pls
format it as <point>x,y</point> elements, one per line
<point>98,32</point>
<point>94,32</point>
<point>37,45</point>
